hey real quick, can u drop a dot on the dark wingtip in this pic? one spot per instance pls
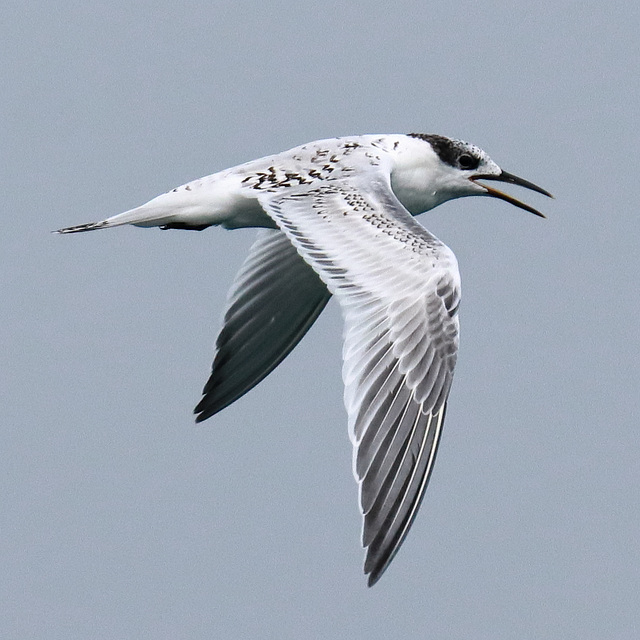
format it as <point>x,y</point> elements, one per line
<point>376,565</point>
<point>209,405</point>
<point>202,413</point>
<point>373,578</point>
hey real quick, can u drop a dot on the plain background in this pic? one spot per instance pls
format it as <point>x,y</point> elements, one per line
<point>120,518</point>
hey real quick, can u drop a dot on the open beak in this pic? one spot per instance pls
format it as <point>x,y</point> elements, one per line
<point>511,179</point>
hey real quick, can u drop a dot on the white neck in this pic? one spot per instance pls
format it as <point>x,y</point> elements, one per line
<point>419,179</point>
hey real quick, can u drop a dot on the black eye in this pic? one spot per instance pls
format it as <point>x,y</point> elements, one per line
<point>466,161</point>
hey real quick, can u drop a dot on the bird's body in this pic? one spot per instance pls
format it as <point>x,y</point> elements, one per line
<point>339,219</point>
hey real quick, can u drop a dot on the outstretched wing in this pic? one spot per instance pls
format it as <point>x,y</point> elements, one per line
<point>399,290</point>
<point>274,300</point>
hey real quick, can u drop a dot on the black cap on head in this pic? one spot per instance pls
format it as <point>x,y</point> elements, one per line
<point>452,152</point>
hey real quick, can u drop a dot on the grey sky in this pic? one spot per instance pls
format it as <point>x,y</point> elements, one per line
<point>122,519</point>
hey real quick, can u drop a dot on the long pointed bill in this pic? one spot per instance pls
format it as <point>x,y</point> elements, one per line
<point>511,179</point>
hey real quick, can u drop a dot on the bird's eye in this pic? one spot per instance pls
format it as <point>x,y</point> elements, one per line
<point>466,161</point>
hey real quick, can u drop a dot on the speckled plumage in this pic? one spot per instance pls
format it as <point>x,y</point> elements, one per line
<point>338,221</point>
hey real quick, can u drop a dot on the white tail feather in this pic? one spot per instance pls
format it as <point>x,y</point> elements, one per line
<point>142,216</point>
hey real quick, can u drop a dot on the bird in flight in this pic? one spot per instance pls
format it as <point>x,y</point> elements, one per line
<point>337,218</point>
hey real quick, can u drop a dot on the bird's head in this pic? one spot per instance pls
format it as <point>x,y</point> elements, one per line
<point>455,169</point>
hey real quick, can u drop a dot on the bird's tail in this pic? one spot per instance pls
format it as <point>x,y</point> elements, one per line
<point>143,216</point>
<point>90,226</point>
<point>214,200</point>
